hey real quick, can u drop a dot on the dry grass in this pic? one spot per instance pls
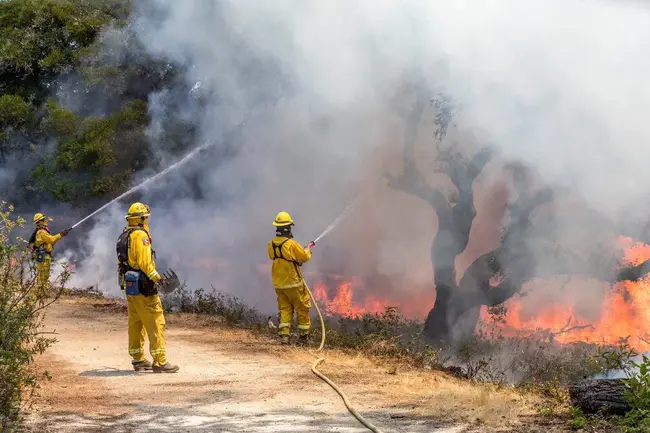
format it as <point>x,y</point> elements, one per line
<point>373,381</point>
<point>62,392</point>
<point>425,392</point>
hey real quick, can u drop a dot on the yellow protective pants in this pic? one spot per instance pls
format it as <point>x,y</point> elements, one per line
<point>294,299</point>
<point>43,276</point>
<point>146,317</point>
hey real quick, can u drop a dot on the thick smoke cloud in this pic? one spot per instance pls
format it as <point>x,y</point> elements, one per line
<point>302,102</point>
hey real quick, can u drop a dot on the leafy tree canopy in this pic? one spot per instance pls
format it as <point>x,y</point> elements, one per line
<point>53,52</point>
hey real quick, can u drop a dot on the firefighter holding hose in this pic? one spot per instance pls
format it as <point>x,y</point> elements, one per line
<point>141,281</point>
<point>288,256</point>
<point>42,244</point>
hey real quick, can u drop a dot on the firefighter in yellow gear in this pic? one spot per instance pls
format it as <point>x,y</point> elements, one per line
<point>42,244</point>
<point>139,279</point>
<point>290,286</point>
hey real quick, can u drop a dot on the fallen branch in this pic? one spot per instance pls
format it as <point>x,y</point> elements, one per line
<point>596,395</point>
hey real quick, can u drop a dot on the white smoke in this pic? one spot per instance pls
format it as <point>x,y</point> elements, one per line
<point>558,85</point>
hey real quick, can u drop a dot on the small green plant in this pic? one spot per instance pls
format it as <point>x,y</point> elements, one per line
<point>21,314</point>
<point>637,394</point>
<point>577,419</point>
<point>546,411</point>
<point>618,357</point>
<point>638,385</point>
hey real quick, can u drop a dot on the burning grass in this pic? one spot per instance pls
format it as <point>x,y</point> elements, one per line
<point>624,313</point>
<point>518,359</point>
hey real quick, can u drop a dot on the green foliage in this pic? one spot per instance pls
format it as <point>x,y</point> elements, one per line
<point>637,394</point>
<point>636,422</point>
<point>40,39</point>
<point>15,112</point>
<point>21,314</point>
<point>59,121</point>
<point>92,157</point>
<point>66,47</point>
<point>16,115</point>
<point>638,385</point>
<point>577,419</point>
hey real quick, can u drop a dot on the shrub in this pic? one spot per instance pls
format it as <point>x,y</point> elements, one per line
<point>638,396</point>
<point>577,419</point>
<point>228,307</point>
<point>384,335</point>
<point>21,314</point>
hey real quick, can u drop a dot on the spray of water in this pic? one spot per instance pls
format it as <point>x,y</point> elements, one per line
<point>147,181</point>
<point>340,218</point>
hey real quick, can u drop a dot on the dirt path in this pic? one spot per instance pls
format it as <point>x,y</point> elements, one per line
<point>229,381</point>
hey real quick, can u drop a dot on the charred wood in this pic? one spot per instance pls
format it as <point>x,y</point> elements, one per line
<point>595,395</point>
<point>634,273</point>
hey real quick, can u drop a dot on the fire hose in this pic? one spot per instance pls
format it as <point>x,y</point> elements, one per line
<point>320,359</point>
<point>327,380</point>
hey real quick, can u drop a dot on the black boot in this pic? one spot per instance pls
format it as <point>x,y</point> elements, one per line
<point>142,365</point>
<point>304,340</point>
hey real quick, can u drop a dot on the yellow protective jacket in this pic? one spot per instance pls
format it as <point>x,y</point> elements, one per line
<point>141,253</point>
<point>287,255</point>
<point>44,240</point>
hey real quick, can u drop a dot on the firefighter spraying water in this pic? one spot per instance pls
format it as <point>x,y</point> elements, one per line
<point>294,294</point>
<point>42,244</point>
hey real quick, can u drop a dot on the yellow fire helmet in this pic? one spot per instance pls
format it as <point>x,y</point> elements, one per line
<point>283,219</point>
<point>39,217</point>
<point>137,210</point>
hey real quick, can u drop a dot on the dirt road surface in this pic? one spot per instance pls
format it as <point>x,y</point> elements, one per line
<point>232,381</point>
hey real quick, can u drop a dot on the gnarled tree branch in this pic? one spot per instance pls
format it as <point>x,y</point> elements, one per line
<point>412,181</point>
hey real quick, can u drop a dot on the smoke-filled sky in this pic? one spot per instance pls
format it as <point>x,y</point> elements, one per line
<point>313,89</point>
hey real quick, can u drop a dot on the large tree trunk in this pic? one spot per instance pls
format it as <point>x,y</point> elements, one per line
<point>455,313</point>
<point>456,310</point>
<point>454,316</point>
<point>594,395</point>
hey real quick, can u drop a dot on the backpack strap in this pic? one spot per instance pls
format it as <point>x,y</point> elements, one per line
<point>277,251</point>
<point>32,241</point>
<point>277,254</point>
<point>127,232</point>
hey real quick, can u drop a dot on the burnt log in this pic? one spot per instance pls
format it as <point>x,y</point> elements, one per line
<point>596,395</point>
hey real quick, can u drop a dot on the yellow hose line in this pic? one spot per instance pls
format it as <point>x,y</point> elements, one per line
<point>327,380</point>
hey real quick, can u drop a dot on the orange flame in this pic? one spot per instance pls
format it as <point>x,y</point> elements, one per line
<point>350,298</point>
<point>343,303</point>
<point>625,312</point>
